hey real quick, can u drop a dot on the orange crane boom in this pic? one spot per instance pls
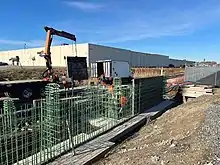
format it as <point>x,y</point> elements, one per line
<point>51,32</point>
<point>47,54</point>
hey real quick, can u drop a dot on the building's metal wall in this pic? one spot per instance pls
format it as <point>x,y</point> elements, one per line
<point>154,60</point>
<point>177,62</point>
<point>92,52</point>
<point>57,54</point>
<point>98,52</point>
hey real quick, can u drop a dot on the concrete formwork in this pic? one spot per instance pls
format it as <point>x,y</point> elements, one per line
<point>148,92</point>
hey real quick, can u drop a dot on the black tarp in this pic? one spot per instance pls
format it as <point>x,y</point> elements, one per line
<point>25,91</point>
<point>77,68</point>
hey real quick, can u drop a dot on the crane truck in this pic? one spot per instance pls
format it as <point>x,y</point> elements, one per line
<point>34,89</point>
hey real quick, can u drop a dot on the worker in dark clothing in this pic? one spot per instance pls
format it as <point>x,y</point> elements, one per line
<point>17,60</point>
<point>102,79</point>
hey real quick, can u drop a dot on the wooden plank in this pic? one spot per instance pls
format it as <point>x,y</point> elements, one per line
<point>201,92</point>
<point>195,94</point>
<point>199,86</point>
<point>184,99</point>
<point>198,90</point>
<point>189,85</point>
<point>205,86</point>
<point>8,98</point>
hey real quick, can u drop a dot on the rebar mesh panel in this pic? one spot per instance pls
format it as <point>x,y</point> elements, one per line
<point>19,133</point>
<point>55,125</point>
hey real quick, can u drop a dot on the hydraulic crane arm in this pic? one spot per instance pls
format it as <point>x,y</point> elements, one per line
<point>51,32</point>
<point>47,54</point>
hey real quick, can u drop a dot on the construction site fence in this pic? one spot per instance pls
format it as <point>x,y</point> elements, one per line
<point>197,73</point>
<point>34,134</point>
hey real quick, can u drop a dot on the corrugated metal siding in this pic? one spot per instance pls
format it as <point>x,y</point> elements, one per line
<point>143,59</point>
<point>177,62</point>
<point>134,59</point>
<point>98,52</point>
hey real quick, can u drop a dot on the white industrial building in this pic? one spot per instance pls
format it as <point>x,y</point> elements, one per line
<point>93,53</point>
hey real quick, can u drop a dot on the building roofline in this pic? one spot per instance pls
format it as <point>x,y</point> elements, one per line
<point>153,54</point>
<point>37,47</point>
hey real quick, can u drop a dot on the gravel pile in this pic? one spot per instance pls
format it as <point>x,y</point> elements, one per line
<point>210,132</point>
<point>188,134</point>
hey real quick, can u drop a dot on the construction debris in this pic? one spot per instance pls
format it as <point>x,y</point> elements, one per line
<point>193,91</point>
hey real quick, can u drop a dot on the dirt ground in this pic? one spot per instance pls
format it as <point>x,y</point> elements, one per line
<point>173,139</point>
<point>25,73</point>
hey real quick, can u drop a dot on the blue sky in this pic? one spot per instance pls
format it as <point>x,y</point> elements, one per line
<point>184,29</point>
